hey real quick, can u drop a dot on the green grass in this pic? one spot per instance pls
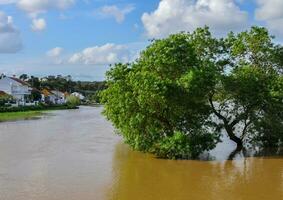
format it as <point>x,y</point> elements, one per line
<point>13,116</point>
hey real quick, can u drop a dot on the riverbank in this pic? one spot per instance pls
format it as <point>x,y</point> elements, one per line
<point>14,116</point>
<point>28,112</point>
<point>37,108</point>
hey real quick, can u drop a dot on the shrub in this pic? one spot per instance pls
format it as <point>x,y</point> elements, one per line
<point>73,101</point>
<point>4,99</point>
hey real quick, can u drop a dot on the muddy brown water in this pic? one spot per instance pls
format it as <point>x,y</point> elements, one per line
<point>75,155</point>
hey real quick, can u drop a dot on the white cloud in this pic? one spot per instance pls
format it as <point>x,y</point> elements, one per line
<point>10,38</point>
<point>35,7</point>
<point>271,12</point>
<point>118,13</point>
<point>38,24</point>
<point>268,10</point>
<point>40,6</point>
<point>101,55</point>
<point>7,1</point>
<point>173,16</point>
<point>55,55</point>
<point>55,52</point>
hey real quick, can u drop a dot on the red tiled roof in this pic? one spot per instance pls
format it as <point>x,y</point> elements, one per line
<point>19,81</point>
<point>36,90</point>
<point>2,93</point>
<point>46,92</point>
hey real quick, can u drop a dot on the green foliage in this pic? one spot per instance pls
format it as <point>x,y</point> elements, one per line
<point>249,85</point>
<point>4,99</point>
<point>59,82</point>
<point>95,98</point>
<point>64,84</point>
<point>182,146</point>
<point>24,77</point>
<point>269,127</point>
<point>183,90</point>
<point>35,95</point>
<point>150,100</point>
<point>73,100</point>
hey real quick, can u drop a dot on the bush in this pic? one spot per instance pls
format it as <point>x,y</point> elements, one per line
<point>4,99</point>
<point>73,101</point>
<point>95,98</point>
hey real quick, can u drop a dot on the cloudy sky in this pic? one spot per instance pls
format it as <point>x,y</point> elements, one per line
<point>83,37</point>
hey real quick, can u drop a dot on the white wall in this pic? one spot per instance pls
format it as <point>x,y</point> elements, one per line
<point>14,88</point>
<point>5,85</point>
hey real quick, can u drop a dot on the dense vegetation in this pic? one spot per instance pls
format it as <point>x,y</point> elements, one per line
<point>4,98</point>
<point>73,101</point>
<point>64,84</point>
<point>183,91</point>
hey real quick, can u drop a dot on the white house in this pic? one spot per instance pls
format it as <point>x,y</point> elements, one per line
<point>16,88</point>
<point>59,97</point>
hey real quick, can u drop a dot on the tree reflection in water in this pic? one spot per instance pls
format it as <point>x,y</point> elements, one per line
<point>140,176</point>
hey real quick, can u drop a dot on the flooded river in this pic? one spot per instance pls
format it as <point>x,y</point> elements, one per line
<point>75,155</point>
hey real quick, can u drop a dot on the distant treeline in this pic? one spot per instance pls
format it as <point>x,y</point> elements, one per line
<point>64,84</point>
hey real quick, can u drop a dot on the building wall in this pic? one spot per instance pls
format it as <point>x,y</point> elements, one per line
<point>5,85</point>
<point>14,88</point>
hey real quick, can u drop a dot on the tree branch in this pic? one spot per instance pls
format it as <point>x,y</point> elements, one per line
<point>227,126</point>
<point>216,112</point>
<point>238,119</point>
<point>244,132</point>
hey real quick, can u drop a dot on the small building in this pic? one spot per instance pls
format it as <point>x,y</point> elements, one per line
<point>48,97</point>
<point>60,97</point>
<point>17,88</point>
<point>53,97</point>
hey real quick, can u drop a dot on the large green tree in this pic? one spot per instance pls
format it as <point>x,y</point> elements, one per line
<point>182,91</point>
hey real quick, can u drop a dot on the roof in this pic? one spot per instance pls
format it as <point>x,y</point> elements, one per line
<point>36,90</point>
<point>45,92</point>
<point>66,94</point>
<point>19,81</point>
<point>57,93</point>
<point>2,93</point>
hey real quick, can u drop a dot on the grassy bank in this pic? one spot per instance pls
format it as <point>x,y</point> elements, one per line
<point>37,108</point>
<point>28,112</point>
<point>13,116</point>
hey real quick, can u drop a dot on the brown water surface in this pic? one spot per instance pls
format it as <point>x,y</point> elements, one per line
<point>75,155</point>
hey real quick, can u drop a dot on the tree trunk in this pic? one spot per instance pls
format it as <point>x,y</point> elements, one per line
<point>233,137</point>
<point>228,126</point>
<point>233,154</point>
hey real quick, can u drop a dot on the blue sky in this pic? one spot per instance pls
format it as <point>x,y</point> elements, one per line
<point>83,37</point>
